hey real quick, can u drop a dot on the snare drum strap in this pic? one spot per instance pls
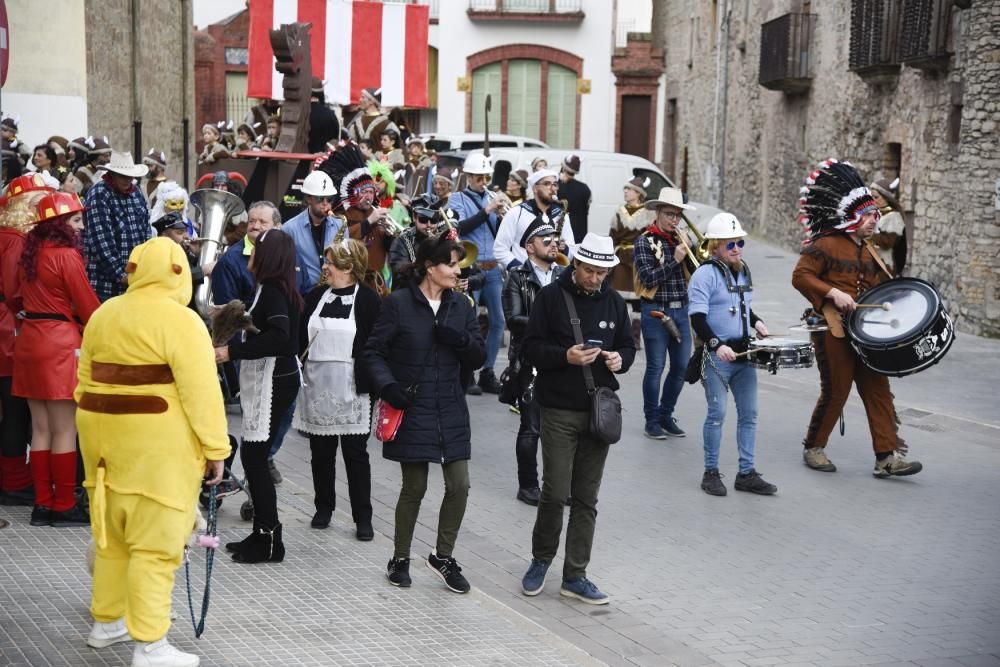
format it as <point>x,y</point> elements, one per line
<point>878,259</point>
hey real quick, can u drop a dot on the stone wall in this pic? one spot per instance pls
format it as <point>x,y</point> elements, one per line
<point>773,138</point>
<point>165,30</point>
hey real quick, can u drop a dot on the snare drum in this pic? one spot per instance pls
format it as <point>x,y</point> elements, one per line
<point>773,353</point>
<point>913,334</point>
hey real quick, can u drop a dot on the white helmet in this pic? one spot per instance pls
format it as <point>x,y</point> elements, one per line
<point>724,226</point>
<point>477,163</point>
<point>318,184</point>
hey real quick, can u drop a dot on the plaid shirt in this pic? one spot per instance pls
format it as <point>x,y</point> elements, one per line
<point>114,224</point>
<point>668,276</point>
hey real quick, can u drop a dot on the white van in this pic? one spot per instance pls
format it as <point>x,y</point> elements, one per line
<point>442,141</point>
<point>605,173</point>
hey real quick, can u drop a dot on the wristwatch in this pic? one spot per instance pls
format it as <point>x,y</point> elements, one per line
<point>714,344</point>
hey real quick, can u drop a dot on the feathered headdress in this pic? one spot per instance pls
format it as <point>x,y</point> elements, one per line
<point>348,171</point>
<point>834,198</point>
<point>380,171</point>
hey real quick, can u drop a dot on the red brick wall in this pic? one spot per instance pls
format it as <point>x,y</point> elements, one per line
<point>637,69</point>
<point>210,69</point>
<point>503,54</point>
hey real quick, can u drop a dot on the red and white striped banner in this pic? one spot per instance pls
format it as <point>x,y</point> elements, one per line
<point>355,45</point>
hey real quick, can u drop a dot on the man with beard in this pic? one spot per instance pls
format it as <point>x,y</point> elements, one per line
<point>836,266</point>
<point>522,286</point>
<point>659,259</point>
<point>542,204</point>
<point>157,163</point>
<point>115,222</point>
<point>313,229</point>
<point>719,298</point>
<point>370,122</point>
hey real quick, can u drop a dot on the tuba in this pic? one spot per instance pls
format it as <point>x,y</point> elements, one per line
<point>215,208</point>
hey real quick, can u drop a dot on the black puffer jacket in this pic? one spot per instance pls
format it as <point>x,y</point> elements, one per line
<point>402,348</point>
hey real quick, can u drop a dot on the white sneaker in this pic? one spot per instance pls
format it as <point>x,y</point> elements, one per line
<point>106,634</point>
<point>162,654</point>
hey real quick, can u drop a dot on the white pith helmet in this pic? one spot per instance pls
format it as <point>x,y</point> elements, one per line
<point>724,226</point>
<point>318,184</point>
<point>477,163</point>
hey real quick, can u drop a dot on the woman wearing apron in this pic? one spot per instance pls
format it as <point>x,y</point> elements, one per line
<point>333,403</point>
<point>269,382</point>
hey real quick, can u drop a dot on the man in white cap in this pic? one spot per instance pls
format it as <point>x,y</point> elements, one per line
<point>370,122</point>
<point>543,204</point>
<point>478,213</point>
<point>659,257</point>
<point>314,228</point>
<point>572,458</point>
<point>115,222</point>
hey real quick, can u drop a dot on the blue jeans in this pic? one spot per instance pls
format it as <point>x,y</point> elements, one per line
<point>494,308</point>
<point>657,406</point>
<point>742,381</point>
<point>283,426</point>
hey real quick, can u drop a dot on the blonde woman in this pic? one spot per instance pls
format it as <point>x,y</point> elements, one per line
<point>334,406</point>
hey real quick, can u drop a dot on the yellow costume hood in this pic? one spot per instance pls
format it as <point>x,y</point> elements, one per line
<point>159,268</point>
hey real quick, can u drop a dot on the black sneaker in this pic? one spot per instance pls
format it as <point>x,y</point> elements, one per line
<point>21,498</point>
<point>711,483</point>
<point>530,495</point>
<point>74,517</point>
<point>474,390</point>
<point>364,531</point>
<point>670,427</point>
<point>752,481</point>
<point>450,573</point>
<point>41,516</point>
<point>488,381</point>
<point>398,572</point>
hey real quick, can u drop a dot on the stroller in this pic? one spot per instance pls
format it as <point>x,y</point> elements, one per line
<point>229,486</point>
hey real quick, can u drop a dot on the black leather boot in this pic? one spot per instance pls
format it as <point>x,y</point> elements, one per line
<point>265,546</point>
<point>242,544</point>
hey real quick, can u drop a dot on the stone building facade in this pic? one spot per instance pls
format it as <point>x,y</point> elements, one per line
<point>931,117</point>
<point>162,63</point>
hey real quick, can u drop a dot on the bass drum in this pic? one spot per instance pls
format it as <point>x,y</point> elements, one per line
<point>914,333</point>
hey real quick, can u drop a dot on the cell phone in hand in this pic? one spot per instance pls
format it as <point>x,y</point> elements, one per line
<point>593,343</point>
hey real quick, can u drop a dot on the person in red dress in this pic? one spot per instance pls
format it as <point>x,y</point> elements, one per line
<point>57,300</point>
<point>18,216</point>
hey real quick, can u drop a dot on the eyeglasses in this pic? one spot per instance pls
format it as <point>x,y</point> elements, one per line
<point>670,215</point>
<point>546,184</point>
<point>735,244</point>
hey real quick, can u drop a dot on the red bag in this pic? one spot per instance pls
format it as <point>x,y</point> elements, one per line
<point>388,421</point>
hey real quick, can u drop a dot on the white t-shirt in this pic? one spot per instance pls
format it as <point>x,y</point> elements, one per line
<point>435,304</point>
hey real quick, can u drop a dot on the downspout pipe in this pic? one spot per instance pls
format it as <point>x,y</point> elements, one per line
<point>136,98</point>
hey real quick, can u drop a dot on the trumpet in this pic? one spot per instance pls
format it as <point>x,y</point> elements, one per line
<point>505,203</point>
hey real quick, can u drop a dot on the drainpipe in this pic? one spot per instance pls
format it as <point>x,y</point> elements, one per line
<point>726,12</point>
<point>136,100</point>
<point>186,28</point>
<point>719,117</point>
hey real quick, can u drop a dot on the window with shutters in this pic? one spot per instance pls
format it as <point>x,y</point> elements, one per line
<point>524,88</point>
<point>486,80</point>
<point>534,91</point>
<point>560,122</point>
<point>874,48</point>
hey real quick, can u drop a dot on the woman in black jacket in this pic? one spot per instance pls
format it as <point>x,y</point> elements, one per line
<point>269,382</point>
<point>334,405</point>
<point>420,357</point>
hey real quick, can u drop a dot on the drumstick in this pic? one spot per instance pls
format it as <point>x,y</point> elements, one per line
<point>883,306</point>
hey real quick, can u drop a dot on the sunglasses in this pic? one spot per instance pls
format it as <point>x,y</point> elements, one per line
<point>328,200</point>
<point>735,244</point>
<point>548,240</point>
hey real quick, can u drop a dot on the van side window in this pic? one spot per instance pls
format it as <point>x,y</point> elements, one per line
<point>656,181</point>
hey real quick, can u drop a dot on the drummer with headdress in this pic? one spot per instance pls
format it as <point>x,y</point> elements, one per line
<point>837,265</point>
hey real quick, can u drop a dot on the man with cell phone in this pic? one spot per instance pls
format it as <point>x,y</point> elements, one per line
<point>573,458</point>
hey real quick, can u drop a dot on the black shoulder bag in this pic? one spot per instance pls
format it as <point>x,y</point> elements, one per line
<point>605,406</point>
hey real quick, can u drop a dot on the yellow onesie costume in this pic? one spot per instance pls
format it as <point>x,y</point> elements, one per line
<point>150,414</point>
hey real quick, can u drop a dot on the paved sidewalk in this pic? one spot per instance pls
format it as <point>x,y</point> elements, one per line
<point>836,569</point>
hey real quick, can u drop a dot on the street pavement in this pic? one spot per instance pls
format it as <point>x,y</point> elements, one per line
<point>836,569</point>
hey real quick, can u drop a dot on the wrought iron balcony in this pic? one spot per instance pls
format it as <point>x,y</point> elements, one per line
<point>785,52</point>
<point>556,11</point>
<point>925,34</point>
<point>874,38</point>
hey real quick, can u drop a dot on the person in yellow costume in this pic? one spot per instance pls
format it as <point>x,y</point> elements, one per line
<point>152,424</point>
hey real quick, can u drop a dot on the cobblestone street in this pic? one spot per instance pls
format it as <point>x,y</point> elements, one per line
<point>836,569</point>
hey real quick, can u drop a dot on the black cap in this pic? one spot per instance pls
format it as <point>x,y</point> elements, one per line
<point>172,220</point>
<point>538,227</point>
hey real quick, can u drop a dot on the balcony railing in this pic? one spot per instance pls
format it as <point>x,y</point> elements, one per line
<point>874,37</point>
<point>925,34</point>
<point>536,10</point>
<point>785,52</point>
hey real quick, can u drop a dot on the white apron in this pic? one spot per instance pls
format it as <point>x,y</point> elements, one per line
<point>256,384</point>
<point>328,403</point>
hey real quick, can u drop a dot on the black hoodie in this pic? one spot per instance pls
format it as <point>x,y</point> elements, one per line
<point>603,316</point>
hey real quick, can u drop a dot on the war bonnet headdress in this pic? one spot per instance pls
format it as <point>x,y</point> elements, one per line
<point>834,198</point>
<point>348,171</point>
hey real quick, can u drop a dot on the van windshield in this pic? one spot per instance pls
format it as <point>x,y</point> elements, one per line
<point>656,181</point>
